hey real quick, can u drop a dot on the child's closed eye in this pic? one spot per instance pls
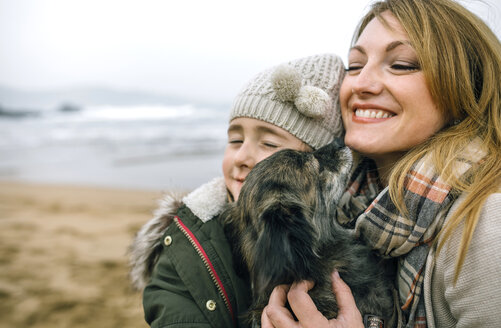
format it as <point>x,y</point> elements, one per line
<point>270,145</point>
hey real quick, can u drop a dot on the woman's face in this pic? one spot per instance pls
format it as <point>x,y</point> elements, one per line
<point>386,106</point>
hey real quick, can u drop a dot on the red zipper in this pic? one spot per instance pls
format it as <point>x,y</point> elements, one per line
<point>208,264</point>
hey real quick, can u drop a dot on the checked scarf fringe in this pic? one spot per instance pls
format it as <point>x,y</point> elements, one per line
<point>428,199</point>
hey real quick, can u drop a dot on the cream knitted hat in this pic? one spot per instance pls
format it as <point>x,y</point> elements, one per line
<point>301,97</point>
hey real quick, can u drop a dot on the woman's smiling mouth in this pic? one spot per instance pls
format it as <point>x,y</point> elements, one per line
<point>366,111</point>
<point>373,113</point>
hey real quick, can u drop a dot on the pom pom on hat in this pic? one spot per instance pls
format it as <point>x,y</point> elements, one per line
<point>286,82</point>
<point>312,101</point>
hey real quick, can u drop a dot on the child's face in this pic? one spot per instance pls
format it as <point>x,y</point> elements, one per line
<point>249,142</point>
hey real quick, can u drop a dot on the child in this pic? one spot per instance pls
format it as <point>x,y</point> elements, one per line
<point>181,257</point>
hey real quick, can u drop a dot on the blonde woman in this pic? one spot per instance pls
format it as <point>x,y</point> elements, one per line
<point>421,106</point>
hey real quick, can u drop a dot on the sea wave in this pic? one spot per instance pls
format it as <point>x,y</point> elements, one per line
<point>114,125</point>
<point>113,144</point>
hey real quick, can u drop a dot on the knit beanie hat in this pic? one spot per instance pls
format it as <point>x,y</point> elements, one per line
<point>301,97</point>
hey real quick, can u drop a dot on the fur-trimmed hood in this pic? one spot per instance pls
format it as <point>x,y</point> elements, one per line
<point>205,202</point>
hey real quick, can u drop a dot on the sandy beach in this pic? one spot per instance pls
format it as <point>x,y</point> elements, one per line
<point>63,255</point>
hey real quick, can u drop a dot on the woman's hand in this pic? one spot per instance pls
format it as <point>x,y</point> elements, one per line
<point>276,315</point>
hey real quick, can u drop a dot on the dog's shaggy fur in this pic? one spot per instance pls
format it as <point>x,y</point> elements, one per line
<point>283,228</point>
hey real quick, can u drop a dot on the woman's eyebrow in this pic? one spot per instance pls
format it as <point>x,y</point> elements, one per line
<point>358,48</point>
<point>389,47</point>
<point>396,44</point>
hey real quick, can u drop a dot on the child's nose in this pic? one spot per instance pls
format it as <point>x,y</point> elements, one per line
<point>246,156</point>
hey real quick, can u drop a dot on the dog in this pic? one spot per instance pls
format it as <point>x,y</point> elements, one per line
<point>284,228</point>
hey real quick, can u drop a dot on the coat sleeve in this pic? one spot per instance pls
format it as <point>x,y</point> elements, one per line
<point>167,300</point>
<point>475,300</point>
<point>181,292</point>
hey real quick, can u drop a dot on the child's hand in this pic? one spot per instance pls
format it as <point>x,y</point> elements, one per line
<point>276,315</point>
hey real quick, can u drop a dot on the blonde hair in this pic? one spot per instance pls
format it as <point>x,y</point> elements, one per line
<point>461,60</point>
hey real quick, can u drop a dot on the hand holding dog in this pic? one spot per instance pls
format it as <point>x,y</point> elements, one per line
<point>276,315</point>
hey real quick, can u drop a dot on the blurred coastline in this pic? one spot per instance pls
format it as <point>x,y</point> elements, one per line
<point>99,137</point>
<point>77,181</point>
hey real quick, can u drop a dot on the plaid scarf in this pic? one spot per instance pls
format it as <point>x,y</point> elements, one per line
<point>428,199</point>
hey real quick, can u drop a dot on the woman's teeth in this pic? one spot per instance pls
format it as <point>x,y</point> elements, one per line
<point>370,113</point>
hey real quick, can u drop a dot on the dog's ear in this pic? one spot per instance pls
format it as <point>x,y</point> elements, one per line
<point>284,251</point>
<point>232,227</point>
<point>335,162</point>
<point>327,156</point>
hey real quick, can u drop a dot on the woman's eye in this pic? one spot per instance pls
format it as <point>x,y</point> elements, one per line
<point>235,141</point>
<point>352,68</point>
<point>405,67</point>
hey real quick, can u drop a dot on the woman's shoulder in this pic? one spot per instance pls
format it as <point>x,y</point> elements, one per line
<point>492,205</point>
<point>473,300</point>
<point>488,229</point>
<point>484,245</point>
<point>489,223</point>
<point>490,211</point>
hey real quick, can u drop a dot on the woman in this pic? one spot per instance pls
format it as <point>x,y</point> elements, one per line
<point>421,105</point>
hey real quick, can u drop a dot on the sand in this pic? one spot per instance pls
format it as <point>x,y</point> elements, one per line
<point>63,259</point>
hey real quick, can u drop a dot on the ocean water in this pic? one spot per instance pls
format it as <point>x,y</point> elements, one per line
<point>154,147</point>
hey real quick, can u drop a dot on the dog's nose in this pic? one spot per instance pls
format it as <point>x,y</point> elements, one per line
<point>338,142</point>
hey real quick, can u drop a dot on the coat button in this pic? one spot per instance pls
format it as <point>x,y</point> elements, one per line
<point>168,240</point>
<point>210,305</point>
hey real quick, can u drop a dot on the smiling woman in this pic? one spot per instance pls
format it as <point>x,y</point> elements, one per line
<point>426,188</point>
<point>386,105</point>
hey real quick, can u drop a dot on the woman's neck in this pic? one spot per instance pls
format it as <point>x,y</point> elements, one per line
<point>384,166</point>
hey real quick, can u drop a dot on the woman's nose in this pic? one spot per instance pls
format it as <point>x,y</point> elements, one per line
<point>368,81</point>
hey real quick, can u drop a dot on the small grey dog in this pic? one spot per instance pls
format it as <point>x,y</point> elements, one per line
<point>284,228</point>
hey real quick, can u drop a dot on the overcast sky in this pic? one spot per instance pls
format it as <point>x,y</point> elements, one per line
<point>196,48</point>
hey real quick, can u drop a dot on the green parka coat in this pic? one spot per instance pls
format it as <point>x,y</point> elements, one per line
<point>184,263</point>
